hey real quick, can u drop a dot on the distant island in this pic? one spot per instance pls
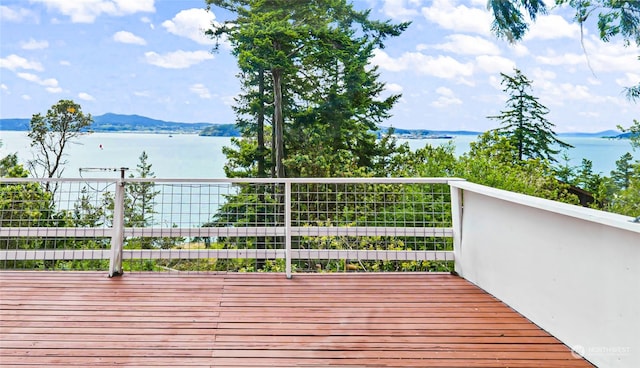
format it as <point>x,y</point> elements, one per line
<point>141,124</point>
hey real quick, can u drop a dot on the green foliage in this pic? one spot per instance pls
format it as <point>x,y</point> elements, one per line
<point>510,17</point>
<point>616,18</point>
<point>627,200</point>
<point>305,74</point>
<point>524,123</point>
<point>50,135</point>
<point>9,167</point>
<point>623,173</point>
<point>491,162</point>
<point>634,138</point>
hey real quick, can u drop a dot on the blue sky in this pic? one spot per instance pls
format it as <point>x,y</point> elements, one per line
<point>148,57</point>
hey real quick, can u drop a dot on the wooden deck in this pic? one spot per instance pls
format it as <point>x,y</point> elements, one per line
<point>318,320</point>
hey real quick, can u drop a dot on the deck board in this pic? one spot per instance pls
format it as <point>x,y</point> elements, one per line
<point>259,320</point>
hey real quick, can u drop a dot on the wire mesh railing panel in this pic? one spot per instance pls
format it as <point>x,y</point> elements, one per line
<point>185,225</point>
<point>372,227</point>
<point>203,226</point>
<point>55,224</point>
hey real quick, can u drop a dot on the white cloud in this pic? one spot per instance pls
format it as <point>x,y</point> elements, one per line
<point>446,98</point>
<point>468,45</point>
<point>177,59</point>
<point>13,62</point>
<point>229,100</point>
<point>548,27</point>
<point>594,81</point>
<point>601,57</point>
<point>459,18</point>
<point>26,97</point>
<point>559,93</point>
<point>34,45</point>
<point>393,88</point>
<point>85,96</point>
<point>200,90</point>
<point>15,15</point>
<point>495,82</point>
<point>86,11</point>
<point>589,114</point>
<point>494,64</point>
<point>611,56</point>
<point>128,37</point>
<point>65,63</point>
<point>519,49</point>
<point>50,84</point>
<point>628,80</point>
<point>565,59</point>
<point>386,62</point>
<point>440,66</point>
<point>4,87</point>
<point>540,74</point>
<point>148,21</point>
<point>191,23</point>
<point>397,9</point>
<point>142,93</point>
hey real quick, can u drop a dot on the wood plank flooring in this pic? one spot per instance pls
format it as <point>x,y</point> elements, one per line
<point>71,319</point>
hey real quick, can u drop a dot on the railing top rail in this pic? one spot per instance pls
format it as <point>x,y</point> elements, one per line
<point>588,214</point>
<point>57,180</point>
<point>376,180</point>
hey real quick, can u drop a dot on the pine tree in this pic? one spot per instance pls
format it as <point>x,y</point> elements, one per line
<point>524,122</point>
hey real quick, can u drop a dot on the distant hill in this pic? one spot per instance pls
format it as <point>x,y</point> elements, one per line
<point>220,130</point>
<point>135,123</point>
<point>603,134</point>
<point>122,123</point>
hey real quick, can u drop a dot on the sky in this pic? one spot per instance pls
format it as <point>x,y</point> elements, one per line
<point>150,58</point>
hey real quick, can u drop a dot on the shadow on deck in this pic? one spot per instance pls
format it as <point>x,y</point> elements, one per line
<point>215,320</point>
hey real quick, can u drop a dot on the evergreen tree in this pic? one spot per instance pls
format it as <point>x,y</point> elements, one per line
<point>524,122</point>
<point>139,201</point>
<point>315,54</point>
<point>624,171</point>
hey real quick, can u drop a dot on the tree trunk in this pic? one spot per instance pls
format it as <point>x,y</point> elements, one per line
<point>278,123</point>
<point>261,148</point>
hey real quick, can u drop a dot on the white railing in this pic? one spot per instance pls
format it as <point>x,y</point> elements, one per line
<point>355,223</point>
<point>573,271</point>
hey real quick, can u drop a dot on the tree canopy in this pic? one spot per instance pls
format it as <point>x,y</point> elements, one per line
<point>306,83</point>
<point>50,135</point>
<point>524,122</point>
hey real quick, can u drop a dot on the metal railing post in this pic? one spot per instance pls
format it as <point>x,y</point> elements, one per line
<point>287,231</point>
<point>117,237</point>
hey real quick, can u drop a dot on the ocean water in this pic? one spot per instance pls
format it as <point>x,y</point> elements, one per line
<point>192,156</point>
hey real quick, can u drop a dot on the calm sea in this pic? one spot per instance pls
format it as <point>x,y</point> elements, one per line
<point>192,156</point>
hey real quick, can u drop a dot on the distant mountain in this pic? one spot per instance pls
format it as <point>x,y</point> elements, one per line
<point>220,130</point>
<point>423,133</point>
<point>603,134</point>
<point>122,123</point>
<point>135,123</point>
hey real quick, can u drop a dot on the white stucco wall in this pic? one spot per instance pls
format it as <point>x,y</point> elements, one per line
<point>573,271</point>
